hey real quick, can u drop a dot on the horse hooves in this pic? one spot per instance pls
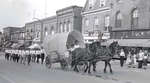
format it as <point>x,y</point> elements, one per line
<point>105,71</point>
<point>111,72</point>
<point>94,70</point>
<point>89,72</point>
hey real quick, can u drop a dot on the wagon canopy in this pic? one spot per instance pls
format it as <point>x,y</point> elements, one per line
<point>59,41</point>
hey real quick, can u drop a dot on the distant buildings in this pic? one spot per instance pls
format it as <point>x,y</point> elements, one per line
<point>13,35</point>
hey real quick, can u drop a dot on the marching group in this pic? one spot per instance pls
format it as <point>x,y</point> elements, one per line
<point>135,58</point>
<point>25,56</point>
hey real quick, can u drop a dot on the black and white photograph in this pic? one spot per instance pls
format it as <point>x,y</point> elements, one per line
<point>74,41</point>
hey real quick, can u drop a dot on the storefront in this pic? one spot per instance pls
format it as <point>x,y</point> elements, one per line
<point>136,34</point>
<point>130,42</point>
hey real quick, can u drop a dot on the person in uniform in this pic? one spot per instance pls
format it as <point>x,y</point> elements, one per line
<point>122,56</point>
<point>145,58</point>
<point>38,56</point>
<point>24,56</point>
<point>17,56</point>
<point>29,57</point>
<point>128,62</point>
<point>34,56</point>
<point>140,59</point>
<point>42,56</point>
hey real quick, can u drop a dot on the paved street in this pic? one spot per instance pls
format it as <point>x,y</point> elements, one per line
<point>36,73</point>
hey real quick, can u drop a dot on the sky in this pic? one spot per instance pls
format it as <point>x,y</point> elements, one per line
<point>18,12</point>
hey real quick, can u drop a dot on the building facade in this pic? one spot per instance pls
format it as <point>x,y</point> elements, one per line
<point>96,19</point>
<point>18,35</point>
<point>69,19</point>
<point>9,32</point>
<point>37,30</point>
<point>130,19</point>
<point>1,40</point>
<point>12,35</point>
<point>116,19</point>
<point>66,20</point>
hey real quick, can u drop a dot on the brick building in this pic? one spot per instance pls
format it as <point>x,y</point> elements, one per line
<point>116,19</point>
<point>96,19</point>
<point>66,19</point>
<point>69,19</point>
<point>37,30</point>
<point>13,35</point>
<point>130,19</point>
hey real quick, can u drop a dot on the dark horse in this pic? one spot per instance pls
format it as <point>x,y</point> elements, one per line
<point>92,55</point>
<point>80,56</point>
<point>102,53</point>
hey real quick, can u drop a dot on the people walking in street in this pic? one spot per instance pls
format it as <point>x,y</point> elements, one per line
<point>134,58</point>
<point>24,57</point>
<point>122,56</point>
<point>140,59</point>
<point>42,56</point>
<point>17,57</point>
<point>6,54</point>
<point>145,59</point>
<point>21,56</point>
<point>29,57</point>
<point>38,56</point>
<point>128,61</point>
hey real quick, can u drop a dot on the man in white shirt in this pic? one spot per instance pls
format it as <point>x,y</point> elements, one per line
<point>122,56</point>
<point>140,59</point>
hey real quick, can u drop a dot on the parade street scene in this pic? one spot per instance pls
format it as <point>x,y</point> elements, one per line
<point>75,41</point>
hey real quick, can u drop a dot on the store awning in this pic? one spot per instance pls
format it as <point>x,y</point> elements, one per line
<point>16,45</point>
<point>35,46</point>
<point>8,44</point>
<point>129,42</point>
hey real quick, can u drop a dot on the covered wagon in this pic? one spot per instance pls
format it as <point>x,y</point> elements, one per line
<point>57,46</point>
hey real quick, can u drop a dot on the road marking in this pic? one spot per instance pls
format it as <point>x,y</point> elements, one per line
<point>6,78</point>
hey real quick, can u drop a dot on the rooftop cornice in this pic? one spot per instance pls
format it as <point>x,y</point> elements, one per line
<point>96,10</point>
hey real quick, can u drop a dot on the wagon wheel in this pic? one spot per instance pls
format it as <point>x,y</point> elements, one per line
<point>63,64</point>
<point>48,63</point>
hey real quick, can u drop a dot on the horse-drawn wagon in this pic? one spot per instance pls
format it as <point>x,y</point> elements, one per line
<point>57,46</point>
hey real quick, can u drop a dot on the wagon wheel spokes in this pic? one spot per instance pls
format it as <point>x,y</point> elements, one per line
<point>63,64</point>
<point>48,63</point>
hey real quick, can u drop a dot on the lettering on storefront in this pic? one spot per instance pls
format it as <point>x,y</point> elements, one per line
<point>131,34</point>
